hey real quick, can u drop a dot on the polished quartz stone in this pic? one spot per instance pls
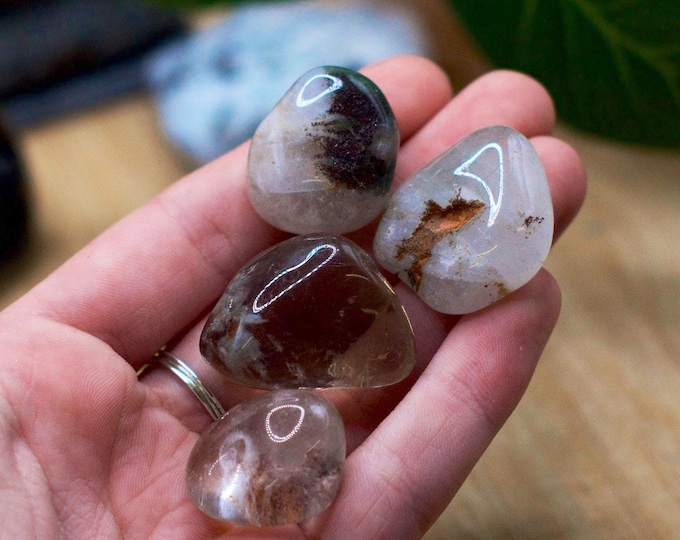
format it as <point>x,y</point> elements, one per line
<point>473,225</point>
<point>313,311</point>
<point>271,460</point>
<point>323,159</point>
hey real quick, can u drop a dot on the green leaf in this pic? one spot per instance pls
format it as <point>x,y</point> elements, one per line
<point>612,66</point>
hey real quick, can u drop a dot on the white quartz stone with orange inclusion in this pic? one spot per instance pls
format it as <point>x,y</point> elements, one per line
<point>473,225</point>
<point>273,459</point>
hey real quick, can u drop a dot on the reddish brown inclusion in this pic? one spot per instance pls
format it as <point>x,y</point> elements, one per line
<point>271,499</point>
<point>347,157</point>
<point>435,223</point>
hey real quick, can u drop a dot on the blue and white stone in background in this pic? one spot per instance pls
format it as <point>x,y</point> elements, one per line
<point>214,88</point>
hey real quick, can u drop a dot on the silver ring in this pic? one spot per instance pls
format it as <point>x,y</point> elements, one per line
<point>187,375</point>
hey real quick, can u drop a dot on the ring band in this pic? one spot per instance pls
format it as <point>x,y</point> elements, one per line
<point>187,375</point>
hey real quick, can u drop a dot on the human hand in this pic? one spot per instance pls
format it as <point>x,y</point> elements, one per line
<point>90,451</point>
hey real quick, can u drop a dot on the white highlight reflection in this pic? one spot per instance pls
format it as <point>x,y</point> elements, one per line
<point>463,170</point>
<point>336,84</point>
<point>257,307</point>
<point>278,438</point>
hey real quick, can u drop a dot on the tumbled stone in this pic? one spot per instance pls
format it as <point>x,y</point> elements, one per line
<point>473,225</point>
<point>323,159</point>
<point>274,459</point>
<point>313,311</point>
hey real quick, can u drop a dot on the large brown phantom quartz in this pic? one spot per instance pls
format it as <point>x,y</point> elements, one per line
<point>311,312</point>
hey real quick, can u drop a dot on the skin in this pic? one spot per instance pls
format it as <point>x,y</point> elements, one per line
<point>89,451</point>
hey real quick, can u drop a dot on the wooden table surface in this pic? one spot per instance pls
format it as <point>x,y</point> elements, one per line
<point>593,451</point>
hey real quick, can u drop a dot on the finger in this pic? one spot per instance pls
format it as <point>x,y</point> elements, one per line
<point>429,88</point>
<point>403,476</point>
<point>566,176</point>
<point>155,271</point>
<point>499,98</point>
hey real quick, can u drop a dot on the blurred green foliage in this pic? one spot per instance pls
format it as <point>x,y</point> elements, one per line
<point>612,66</point>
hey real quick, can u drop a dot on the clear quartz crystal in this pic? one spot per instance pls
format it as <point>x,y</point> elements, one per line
<point>274,459</point>
<point>323,159</point>
<point>473,225</point>
<point>313,311</point>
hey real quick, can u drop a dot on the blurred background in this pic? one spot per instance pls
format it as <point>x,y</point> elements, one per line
<point>104,104</point>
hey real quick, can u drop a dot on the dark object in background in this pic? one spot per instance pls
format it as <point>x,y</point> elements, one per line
<point>7,5</point>
<point>13,200</point>
<point>60,55</point>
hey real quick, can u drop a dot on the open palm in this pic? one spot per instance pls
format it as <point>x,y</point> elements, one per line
<point>90,451</point>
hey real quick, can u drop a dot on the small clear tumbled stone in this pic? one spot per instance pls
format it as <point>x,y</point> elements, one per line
<point>271,460</point>
<point>473,225</point>
<point>323,160</point>
<point>313,312</point>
